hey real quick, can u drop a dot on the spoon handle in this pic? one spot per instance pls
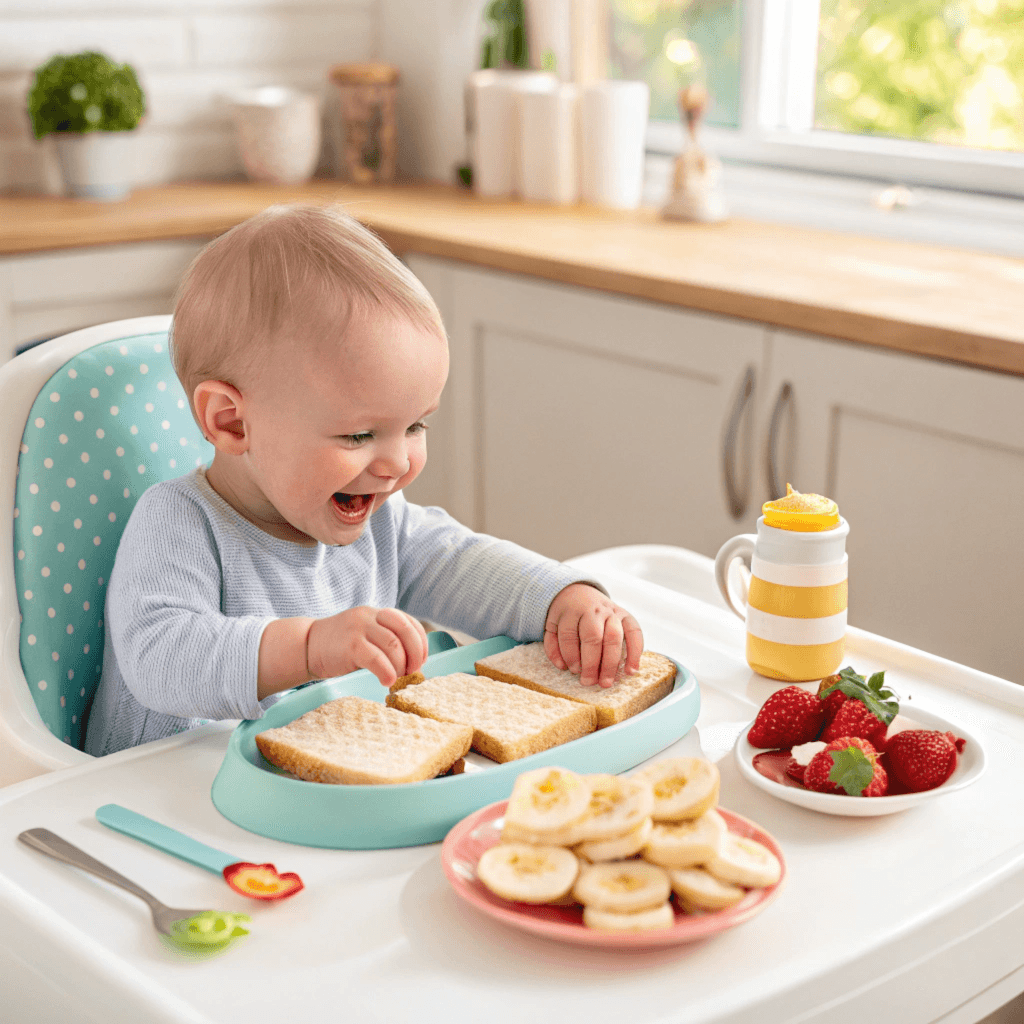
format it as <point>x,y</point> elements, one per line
<point>163,837</point>
<point>52,845</point>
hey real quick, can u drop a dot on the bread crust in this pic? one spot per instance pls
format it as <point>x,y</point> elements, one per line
<point>354,741</point>
<point>528,666</point>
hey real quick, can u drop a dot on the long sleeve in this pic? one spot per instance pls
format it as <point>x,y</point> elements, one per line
<point>177,651</point>
<point>473,582</point>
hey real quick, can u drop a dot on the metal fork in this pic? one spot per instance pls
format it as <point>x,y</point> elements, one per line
<point>52,845</point>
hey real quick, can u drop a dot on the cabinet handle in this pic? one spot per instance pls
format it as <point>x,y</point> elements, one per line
<point>775,489</point>
<point>737,501</point>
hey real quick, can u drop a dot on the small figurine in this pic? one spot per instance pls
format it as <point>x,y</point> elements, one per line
<point>697,189</point>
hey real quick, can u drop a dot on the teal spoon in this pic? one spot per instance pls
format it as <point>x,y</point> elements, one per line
<point>257,881</point>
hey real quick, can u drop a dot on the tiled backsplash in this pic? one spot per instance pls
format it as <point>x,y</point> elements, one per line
<point>188,55</point>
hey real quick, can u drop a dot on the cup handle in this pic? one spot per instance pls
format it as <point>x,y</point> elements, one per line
<point>739,547</point>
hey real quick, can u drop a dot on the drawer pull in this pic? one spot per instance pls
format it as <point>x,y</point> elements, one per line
<point>775,487</point>
<point>737,501</point>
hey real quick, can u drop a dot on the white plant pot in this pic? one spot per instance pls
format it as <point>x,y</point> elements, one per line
<point>279,133</point>
<point>97,165</point>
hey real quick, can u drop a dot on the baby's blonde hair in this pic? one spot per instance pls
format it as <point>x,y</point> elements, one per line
<point>289,266</point>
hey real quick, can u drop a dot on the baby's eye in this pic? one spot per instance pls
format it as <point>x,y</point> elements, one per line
<point>419,427</point>
<point>357,439</point>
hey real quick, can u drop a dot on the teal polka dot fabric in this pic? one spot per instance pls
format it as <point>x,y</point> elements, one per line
<point>110,423</point>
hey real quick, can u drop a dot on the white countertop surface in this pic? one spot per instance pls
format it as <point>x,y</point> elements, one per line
<point>913,917</point>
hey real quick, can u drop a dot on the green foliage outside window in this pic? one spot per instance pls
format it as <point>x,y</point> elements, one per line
<point>84,92</point>
<point>947,72</point>
<point>673,43</point>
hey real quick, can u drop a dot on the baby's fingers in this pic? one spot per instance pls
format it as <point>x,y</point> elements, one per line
<point>562,642</point>
<point>402,639</point>
<point>634,640</point>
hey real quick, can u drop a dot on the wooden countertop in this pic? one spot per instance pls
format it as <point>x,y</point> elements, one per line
<point>947,303</point>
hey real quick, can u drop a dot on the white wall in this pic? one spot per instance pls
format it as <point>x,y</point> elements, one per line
<point>187,53</point>
<point>436,44</point>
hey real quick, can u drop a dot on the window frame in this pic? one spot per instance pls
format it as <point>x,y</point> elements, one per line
<point>777,84</point>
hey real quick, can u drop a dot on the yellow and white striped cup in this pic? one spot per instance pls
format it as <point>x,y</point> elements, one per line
<point>796,605</point>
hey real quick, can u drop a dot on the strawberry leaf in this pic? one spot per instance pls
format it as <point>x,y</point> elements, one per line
<point>872,693</point>
<point>851,770</point>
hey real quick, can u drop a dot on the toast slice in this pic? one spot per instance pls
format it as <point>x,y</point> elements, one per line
<point>354,741</point>
<point>528,665</point>
<point>508,722</point>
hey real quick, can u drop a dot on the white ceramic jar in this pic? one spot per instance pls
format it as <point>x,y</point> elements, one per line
<point>278,132</point>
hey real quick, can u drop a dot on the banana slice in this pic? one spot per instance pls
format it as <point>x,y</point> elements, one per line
<point>528,874</point>
<point>622,886</point>
<point>685,844</point>
<point>619,848</point>
<point>746,862</point>
<point>617,806</point>
<point>568,836</point>
<point>684,787</point>
<point>699,890</point>
<point>546,800</point>
<point>644,921</point>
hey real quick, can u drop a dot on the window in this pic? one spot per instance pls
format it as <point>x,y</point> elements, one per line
<point>916,91</point>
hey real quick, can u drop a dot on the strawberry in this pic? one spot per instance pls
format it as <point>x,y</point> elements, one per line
<point>847,687</point>
<point>789,717</point>
<point>923,758</point>
<point>849,764</point>
<point>831,696</point>
<point>854,719</point>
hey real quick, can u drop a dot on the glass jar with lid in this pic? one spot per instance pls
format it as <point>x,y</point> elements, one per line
<point>365,144</point>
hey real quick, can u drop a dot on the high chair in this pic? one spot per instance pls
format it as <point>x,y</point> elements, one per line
<point>90,420</point>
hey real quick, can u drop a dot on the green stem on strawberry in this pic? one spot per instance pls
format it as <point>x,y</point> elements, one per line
<point>882,702</point>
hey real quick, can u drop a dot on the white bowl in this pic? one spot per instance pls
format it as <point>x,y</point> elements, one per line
<point>970,767</point>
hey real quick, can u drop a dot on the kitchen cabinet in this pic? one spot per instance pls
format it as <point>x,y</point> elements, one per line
<point>578,420</point>
<point>926,461</point>
<point>43,295</point>
<point>583,420</point>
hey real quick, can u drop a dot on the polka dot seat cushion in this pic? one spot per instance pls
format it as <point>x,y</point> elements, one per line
<point>110,423</point>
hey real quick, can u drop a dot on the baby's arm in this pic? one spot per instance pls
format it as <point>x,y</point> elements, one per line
<point>384,640</point>
<point>485,586</point>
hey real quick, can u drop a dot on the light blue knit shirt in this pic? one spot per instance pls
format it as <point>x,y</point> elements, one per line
<point>194,585</point>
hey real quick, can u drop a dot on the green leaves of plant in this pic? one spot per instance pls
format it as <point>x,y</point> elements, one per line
<point>84,92</point>
<point>876,697</point>
<point>851,770</point>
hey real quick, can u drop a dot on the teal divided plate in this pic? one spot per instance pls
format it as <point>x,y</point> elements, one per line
<point>258,797</point>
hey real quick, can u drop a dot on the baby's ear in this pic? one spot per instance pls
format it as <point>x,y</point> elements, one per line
<point>219,410</point>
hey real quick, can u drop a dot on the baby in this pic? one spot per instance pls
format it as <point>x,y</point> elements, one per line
<point>312,358</point>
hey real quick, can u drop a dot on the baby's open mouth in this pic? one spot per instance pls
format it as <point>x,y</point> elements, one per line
<point>352,506</point>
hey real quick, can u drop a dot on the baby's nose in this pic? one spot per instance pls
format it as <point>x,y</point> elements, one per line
<point>391,463</point>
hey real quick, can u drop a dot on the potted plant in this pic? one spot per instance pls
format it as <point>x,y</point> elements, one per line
<point>90,104</point>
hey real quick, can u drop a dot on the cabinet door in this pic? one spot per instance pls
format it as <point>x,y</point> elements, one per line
<point>587,421</point>
<point>926,461</point>
<point>47,294</point>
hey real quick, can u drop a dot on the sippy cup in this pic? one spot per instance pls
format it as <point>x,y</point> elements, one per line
<point>796,605</point>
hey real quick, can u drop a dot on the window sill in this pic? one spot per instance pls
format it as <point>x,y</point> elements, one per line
<point>945,217</point>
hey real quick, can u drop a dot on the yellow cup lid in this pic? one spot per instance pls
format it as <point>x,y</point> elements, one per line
<point>807,513</point>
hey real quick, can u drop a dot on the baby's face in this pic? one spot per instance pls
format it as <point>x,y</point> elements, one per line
<point>333,434</point>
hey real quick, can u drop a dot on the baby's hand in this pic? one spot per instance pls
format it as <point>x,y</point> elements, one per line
<point>384,640</point>
<point>586,632</point>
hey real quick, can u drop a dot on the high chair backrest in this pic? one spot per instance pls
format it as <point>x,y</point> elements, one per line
<point>109,423</point>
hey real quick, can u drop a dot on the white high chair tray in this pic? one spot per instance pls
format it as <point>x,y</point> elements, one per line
<point>913,918</point>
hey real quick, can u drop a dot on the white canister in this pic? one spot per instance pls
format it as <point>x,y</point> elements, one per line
<point>494,125</point>
<point>613,118</point>
<point>278,132</point>
<point>548,165</point>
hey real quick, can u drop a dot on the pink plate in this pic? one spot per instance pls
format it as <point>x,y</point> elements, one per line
<point>480,831</point>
